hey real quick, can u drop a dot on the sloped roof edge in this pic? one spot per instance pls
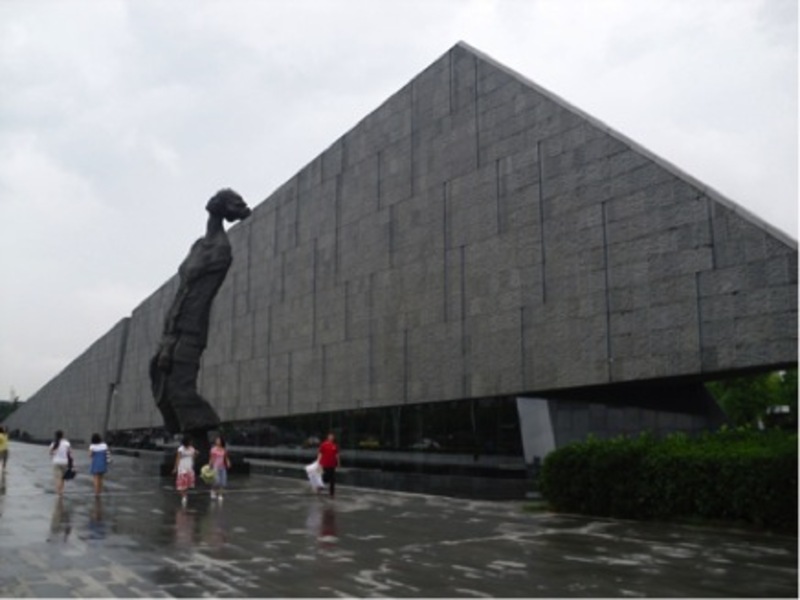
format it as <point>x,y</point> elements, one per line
<point>677,171</point>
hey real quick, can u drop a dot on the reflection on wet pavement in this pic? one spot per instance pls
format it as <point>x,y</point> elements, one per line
<point>60,524</point>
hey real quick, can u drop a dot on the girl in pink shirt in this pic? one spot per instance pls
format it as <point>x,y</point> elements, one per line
<point>219,460</point>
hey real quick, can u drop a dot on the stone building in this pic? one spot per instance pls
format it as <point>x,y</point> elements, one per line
<point>475,273</point>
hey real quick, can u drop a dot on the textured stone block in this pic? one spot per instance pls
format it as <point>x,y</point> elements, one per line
<point>464,76</point>
<point>436,365</point>
<point>347,375</point>
<point>292,325</point>
<point>495,361</point>
<point>445,151</point>
<point>279,384</point>
<point>364,245</point>
<point>417,228</point>
<point>298,271</point>
<point>561,350</point>
<point>358,308</point>
<point>359,191</point>
<point>330,316</point>
<point>326,262</point>
<point>388,368</point>
<point>518,171</point>
<point>253,383</point>
<point>226,393</point>
<point>494,148</point>
<point>472,208</point>
<point>242,339</point>
<point>520,210</point>
<point>731,279</point>
<point>316,211</point>
<point>528,247</point>
<point>307,388</point>
<point>680,262</point>
<point>394,172</point>
<point>781,270</point>
<point>264,287</point>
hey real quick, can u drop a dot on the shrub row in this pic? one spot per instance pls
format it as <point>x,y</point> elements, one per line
<point>736,475</point>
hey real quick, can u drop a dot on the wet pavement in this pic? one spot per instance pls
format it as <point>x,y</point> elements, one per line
<point>272,538</point>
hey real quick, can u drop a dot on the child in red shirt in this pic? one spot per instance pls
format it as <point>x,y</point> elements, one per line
<point>328,458</point>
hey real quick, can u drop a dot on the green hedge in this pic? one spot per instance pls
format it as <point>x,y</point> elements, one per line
<point>736,475</point>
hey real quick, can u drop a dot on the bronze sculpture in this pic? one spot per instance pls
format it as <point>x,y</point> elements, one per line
<point>174,368</point>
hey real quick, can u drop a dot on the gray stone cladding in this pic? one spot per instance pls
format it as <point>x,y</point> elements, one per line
<point>477,236</point>
<point>77,399</point>
<point>134,407</point>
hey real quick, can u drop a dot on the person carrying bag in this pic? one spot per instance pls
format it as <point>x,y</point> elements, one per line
<point>63,467</point>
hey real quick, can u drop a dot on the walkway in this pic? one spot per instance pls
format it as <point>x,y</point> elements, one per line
<point>271,537</point>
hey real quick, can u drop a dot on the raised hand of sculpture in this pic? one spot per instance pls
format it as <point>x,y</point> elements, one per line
<point>174,368</point>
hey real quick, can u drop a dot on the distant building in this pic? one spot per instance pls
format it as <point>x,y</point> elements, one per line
<point>473,275</point>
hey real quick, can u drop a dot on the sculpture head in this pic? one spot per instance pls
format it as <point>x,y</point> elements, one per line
<point>229,205</point>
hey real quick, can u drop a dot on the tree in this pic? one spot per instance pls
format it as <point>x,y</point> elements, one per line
<point>6,408</point>
<point>745,400</point>
<point>787,394</point>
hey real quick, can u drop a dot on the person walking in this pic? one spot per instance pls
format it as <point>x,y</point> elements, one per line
<point>3,446</point>
<point>62,457</point>
<point>184,468</point>
<point>328,458</point>
<point>98,454</point>
<point>219,460</point>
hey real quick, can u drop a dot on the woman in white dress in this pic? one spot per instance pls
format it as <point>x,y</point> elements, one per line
<point>61,456</point>
<point>184,468</point>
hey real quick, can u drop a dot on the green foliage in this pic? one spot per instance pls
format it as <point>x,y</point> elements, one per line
<point>734,474</point>
<point>6,408</point>
<point>745,399</point>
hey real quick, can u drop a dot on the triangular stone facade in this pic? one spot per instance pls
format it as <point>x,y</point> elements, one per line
<point>477,236</point>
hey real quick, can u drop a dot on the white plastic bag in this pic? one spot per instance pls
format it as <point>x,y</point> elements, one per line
<point>314,472</point>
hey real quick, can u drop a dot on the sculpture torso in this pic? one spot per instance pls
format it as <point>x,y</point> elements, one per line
<point>201,275</point>
<point>174,368</point>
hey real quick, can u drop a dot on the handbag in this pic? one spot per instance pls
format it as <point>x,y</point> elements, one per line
<point>70,472</point>
<point>207,474</point>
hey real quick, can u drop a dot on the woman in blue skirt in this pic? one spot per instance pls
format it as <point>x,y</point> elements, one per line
<point>98,452</point>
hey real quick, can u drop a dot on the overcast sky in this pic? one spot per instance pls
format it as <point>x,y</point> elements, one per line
<point>118,119</point>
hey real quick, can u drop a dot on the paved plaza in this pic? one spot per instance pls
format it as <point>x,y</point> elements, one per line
<point>271,537</point>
